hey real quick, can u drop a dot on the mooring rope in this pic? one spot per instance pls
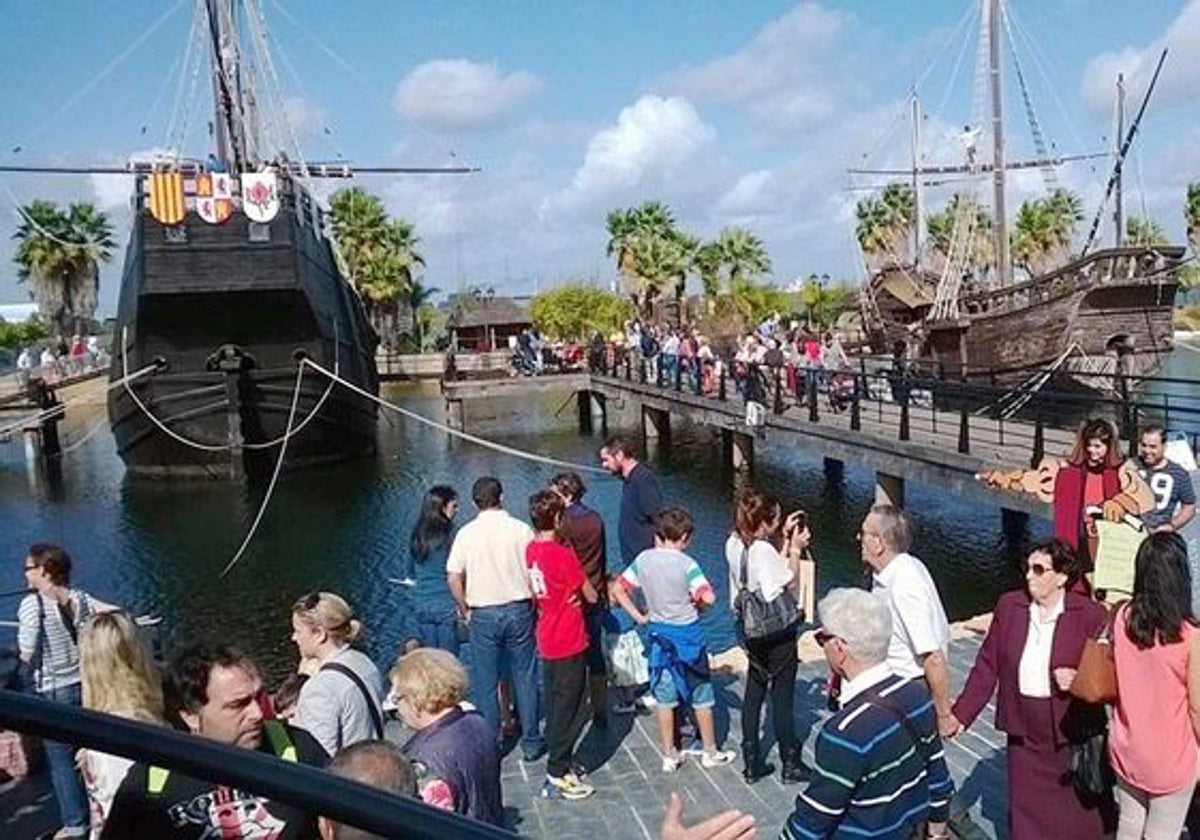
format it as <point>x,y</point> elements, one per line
<point>484,442</point>
<point>262,509</point>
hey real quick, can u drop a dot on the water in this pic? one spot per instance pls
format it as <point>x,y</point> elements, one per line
<point>159,547</point>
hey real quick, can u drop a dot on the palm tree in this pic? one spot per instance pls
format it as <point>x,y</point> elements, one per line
<point>1066,212</point>
<point>1044,229</point>
<point>418,295</point>
<point>706,262</point>
<point>972,221</point>
<point>901,205</point>
<point>872,229</point>
<point>1144,233</point>
<point>1192,214</point>
<point>60,255</point>
<point>359,225</point>
<point>660,260</point>
<point>743,253</point>
<point>621,229</point>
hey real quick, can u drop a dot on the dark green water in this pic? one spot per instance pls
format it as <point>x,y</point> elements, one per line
<point>159,547</point>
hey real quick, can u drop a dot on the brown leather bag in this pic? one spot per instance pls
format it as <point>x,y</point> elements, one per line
<point>1096,678</point>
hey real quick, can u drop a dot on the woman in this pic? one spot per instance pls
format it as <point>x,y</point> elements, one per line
<point>1156,722</point>
<point>1030,654</point>
<point>1093,480</point>
<point>772,658</point>
<point>47,639</point>
<point>119,678</point>
<point>435,616</point>
<point>339,703</point>
<point>454,748</point>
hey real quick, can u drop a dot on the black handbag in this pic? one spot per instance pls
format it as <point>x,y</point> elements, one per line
<point>756,617</point>
<point>1088,769</point>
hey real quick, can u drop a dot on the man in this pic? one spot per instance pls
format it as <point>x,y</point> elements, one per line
<point>486,573</point>
<point>879,769</point>
<point>583,529</point>
<point>376,763</point>
<point>215,692</point>
<point>1174,495</point>
<point>641,498</point>
<point>920,631</point>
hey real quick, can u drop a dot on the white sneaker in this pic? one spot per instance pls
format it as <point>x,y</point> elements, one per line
<point>716,758</point>
<point>671,763</point>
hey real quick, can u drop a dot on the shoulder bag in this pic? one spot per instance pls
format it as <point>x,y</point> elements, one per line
<point>1096,677</point>
<point>757,617</point>
<point>346,671</point>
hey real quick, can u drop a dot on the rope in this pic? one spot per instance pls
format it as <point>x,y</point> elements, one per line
<point>484,442</point>
<point>224,447</point>
<point>42,415</point>
<point>262,509</point>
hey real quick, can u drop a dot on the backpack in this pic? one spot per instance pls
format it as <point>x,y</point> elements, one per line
<point>649,345</point>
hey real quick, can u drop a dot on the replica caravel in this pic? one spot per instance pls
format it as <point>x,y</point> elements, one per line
<point>1097,316</point>
<point>229,282</point>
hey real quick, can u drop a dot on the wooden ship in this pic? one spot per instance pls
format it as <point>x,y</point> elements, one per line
<point>1102,314</point>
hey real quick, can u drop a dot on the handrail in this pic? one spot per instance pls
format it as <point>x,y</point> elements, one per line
<point>310,789</point>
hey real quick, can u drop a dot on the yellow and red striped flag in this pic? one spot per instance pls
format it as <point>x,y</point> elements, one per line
<point>166,197</point>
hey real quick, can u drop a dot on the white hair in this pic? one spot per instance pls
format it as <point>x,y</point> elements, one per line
<point>861,620</point>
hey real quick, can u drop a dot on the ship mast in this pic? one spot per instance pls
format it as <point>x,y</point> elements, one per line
<point>1119,208</point>
<point>994,8</point>
<point>918,182</point>
<point>229,124</point>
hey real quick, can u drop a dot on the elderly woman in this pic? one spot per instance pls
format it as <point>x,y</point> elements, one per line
<point>454,749</point>
<point>339,704</point>
<point>1029,658</point>
<point>1156,723</point>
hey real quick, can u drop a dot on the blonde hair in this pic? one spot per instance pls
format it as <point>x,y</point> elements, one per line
<point>329,612</point>
<point>118,672</point>
<point>431,679</point>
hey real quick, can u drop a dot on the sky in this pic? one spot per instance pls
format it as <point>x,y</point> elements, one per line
<point>746,114</point>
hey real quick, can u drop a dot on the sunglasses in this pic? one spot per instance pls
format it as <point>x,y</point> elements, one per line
<point>1038,569</point>
<point>824,637</point>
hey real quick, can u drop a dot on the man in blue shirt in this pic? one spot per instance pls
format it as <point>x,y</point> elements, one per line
<point>1174,496</point>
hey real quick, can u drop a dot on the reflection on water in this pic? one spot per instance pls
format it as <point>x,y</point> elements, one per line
<point>159,546</point>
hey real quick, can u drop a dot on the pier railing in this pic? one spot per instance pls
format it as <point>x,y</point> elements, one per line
<point>920,403</point>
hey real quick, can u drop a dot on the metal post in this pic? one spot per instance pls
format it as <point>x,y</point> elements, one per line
<point>1039,441</point>
<point>628,369</point>
<point>642,371</point>
<point>778,392</point>
<point>964,429</point>
<point>721,385</point>
<point>855,408</point>
<point>904,431</point>
<point>658,371</point>
<point>678,374</point>
<point>811,390</point>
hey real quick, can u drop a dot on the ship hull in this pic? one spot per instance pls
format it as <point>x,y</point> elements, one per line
<point>226,313</point>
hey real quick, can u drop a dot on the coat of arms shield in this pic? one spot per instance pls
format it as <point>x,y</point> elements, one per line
<point>214,197</point>
<point>260,196</point>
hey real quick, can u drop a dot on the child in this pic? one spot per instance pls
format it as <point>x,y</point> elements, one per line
<point>673,586</point>
<point>557,579</point>
<point>287,695</point>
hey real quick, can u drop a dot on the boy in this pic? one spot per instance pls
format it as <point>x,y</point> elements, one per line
<point>674,586</point>
<point>557,579</point>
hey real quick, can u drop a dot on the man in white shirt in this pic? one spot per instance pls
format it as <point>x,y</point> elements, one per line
<point>486,574</point>
<point>920,632</point>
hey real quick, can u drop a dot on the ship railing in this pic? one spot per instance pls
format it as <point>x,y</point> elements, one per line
<point>927,403</point>
<point>309,789</point>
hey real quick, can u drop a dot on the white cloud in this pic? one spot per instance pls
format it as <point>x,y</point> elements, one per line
<point>112,192</point>
<point>1180,81</point>
<point>457,95</point>
<point>652,140</point>
<point>305,116</point>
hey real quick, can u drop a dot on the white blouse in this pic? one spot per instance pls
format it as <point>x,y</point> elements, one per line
<point>1033,674</point>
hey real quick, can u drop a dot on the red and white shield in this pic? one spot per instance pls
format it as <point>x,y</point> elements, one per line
<point>260,196</point>
<point>214,197</point>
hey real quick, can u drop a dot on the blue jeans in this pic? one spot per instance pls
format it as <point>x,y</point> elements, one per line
<point>437,627</point>
<point>68,786</point>
<point>495,631</point>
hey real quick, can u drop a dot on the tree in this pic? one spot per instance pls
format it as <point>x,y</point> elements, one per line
<point>1192,214</point>
<point>417,296</point>
<point>968,217</point>
<point>706,262</point>
<point>59,254</point>
<point>22,334</point>
<point>1144,233</point>
<point>575,312</point>
<point>380,254</point>
<point>1044,229</point>
<point>651,251</point>
<point>885,224</point>
<point>823,303</point>
<point>743,253</point>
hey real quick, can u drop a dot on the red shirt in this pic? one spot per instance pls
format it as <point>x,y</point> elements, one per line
<point>556,576</point>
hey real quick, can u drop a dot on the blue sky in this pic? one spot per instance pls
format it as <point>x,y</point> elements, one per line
<point>732,113</point>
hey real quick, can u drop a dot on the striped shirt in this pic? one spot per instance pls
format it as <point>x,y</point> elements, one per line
<point>870,779</point>
<point>45,640</point>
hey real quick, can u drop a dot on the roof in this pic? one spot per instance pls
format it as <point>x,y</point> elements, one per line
<point>904,287</point>
<point>16,313</point>
<point>489,313</point>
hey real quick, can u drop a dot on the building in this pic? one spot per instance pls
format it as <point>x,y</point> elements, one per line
<point>486,324</point>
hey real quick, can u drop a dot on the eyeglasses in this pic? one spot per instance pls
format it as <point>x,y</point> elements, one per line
<point>1038,569</point>
<point>824,637</point>
<point>29,568</point>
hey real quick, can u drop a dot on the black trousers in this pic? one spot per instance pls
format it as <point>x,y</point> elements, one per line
<point>772,665</point>
<point>566,692</point>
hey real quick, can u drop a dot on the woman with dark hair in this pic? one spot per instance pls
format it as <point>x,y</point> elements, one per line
<point>1156,722</point>
<point>755,563</point>
<point>1095,479</point>
<point>1029,659</point>
<point>435,615</point>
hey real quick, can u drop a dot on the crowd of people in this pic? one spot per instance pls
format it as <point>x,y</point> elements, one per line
<point>562,639</point>
<point>60,359</point>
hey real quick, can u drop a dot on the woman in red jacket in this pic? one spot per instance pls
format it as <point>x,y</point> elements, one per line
<point>1029,658</point>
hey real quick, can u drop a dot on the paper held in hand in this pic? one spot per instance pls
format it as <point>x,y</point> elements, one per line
<point>1115,553</point>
